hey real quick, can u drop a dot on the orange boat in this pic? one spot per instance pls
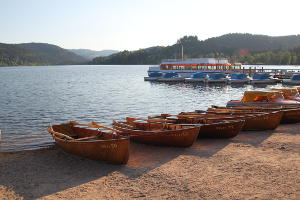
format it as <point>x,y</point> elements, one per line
<point>253,120</point>
<point>158,133</point>
<point>211,126</point>
<point>289,93</point>
<point>290,114</point>
<point>263,99</point>
<point>92,144</point>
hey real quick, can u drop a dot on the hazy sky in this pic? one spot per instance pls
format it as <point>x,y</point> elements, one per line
<point>134,24</point>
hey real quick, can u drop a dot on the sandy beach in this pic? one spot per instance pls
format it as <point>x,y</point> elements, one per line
<point>253,165</point>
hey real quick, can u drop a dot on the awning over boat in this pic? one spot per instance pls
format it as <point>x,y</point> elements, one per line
<point>238,76</point>
<point>296,77</point>
<point>261,76</point>
<point>251,96</point>
<point>216,76</point>
<point>155,74</point>
<point>170,75</point>
<point>199,75</point>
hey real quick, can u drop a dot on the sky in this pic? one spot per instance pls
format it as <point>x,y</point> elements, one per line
<point>136,24</point>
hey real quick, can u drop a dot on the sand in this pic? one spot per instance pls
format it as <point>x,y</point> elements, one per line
<point>253,165</point>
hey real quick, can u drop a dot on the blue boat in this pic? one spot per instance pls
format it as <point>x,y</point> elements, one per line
<point>217,78</point>
<point>262,78</point>
<point>153,76</point>
<point>239,78</point>
<point>197,77</point>
<point>171,77</point>
<point>295,80</point>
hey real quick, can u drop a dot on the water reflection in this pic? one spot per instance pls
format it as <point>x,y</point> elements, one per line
<point>33,97</point>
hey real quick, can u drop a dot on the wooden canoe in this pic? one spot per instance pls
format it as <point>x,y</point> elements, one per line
<point>290,114</point>
<point>92,144</point>
<point>159,133</point>
<point>212,126</point>
<point>253,121</point>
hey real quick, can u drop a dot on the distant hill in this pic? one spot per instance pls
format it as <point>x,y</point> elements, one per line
<point>235,46</point>
<point>37,54</point>
<point>91,54</point>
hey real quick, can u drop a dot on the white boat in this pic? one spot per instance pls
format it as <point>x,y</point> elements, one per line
<point>295,80</point>
<point>171,77</point>
<point>153,76</point>
<point>262,78</point>
<point>187,67</point>
<point>238,78</point>
<point>199,77</point>
<point>217,78</point>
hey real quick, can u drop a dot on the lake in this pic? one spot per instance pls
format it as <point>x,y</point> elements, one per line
<point>34,97</point>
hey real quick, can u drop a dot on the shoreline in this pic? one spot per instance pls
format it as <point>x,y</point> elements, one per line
<point>253,165</point>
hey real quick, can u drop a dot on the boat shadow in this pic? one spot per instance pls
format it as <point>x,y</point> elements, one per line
<point>39,173</point>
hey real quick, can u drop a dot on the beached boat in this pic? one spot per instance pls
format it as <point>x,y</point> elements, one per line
<point>217,78</point>
<point>211,126</point>
<point>290,114</point>
<point>187,67</point>
<point>295,80</point>
<point>197,77</point>
<point>253,120</point>
<point>262,78</point>
<point>263,98</point>
<point>153,76</point>
<point>171,77</point>
<point>158,133</point>
<point>92,144</point>
<point>238,78</point>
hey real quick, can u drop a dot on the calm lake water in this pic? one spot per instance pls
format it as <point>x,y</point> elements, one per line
<point>33,97</point>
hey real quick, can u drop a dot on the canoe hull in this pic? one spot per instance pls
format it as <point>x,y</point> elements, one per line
<point>265,121</point>
<point>225,129</point>
<point>255,121</point>
<point>180,138</point>
<point>111,148</point>
<point>290,115</point>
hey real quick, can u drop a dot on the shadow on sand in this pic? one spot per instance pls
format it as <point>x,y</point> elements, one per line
<point>35,174</point>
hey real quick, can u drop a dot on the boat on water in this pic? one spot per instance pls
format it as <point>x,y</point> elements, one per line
<point>294,80</point>
<point>91,143</point>
<point>238,78</point>
<point>263,98</point>
<point>198,77</point>
<point>262,78</point>
<point>217,78</point>
<point>158,133</point>
<point>252,120</point>
<point>187,67</point>
<point>170,77</point>
<point>153,76</point>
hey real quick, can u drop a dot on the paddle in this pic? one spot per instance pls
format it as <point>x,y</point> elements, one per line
<point>95,125</point>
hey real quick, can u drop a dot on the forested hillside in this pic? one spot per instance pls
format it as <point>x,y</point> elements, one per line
<point>36,54</point>
<point>246,48</point>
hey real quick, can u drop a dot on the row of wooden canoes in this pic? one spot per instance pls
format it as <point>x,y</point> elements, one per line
<point>98,142</point>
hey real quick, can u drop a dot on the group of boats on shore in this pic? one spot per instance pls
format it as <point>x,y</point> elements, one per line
<point>256,111</point>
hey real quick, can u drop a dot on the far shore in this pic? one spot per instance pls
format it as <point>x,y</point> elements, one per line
<point>253,165</point>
